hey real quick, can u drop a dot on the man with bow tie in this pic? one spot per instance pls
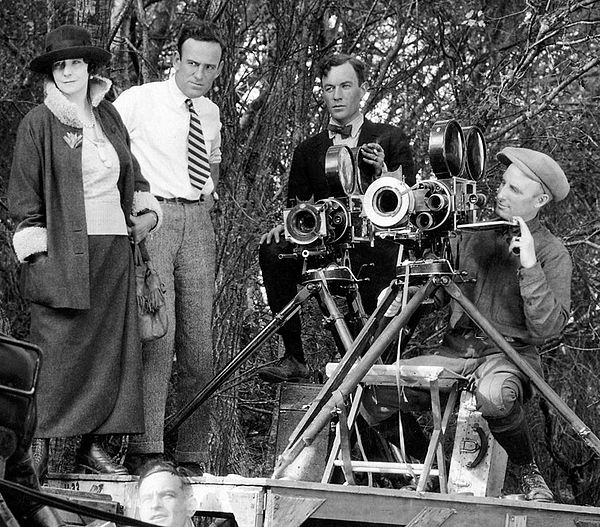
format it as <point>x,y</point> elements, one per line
<point>384,148</point>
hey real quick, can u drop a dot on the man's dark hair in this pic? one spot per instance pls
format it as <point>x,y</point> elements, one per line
<point>203,31</point>
<point>341,58</point>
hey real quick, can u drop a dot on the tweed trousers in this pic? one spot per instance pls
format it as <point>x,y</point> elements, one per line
<point>183,252</point>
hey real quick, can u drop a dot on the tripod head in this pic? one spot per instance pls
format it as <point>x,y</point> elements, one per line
<point>336,273</point>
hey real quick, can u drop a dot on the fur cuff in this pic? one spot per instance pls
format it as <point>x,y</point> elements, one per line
<point>29,241</point>
<point>146,201</point>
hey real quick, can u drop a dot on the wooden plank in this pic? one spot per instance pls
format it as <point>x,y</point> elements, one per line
<point>122,489</point>
<point>375,505</point>
<point>515,521</point>
<point>245,503</point>
<point>102,502</point>
<point>431,517</point>
<point>414,376</point>
<point>295,399</point>
<point>399,507</point>
<point>472,434</point>
<point>290,511</point>
<point>387,467</point>
<point>76,494</point>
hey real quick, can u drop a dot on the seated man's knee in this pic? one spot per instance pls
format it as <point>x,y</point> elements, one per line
<point>497,394</point>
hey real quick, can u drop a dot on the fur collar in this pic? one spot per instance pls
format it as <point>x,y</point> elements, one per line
<point>64,110</point>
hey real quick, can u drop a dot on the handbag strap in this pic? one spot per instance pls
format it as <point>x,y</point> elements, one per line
<point>140,253</point>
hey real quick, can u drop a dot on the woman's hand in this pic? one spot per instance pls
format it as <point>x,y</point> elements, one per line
<point>141,225</point>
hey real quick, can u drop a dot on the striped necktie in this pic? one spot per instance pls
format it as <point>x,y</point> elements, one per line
<point>198,165</point>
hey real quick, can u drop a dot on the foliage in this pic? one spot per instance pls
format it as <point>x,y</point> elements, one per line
<point>525,71</point>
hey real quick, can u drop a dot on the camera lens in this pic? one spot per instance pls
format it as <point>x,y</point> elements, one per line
<point>305,222</point>
<point>424,220</point>
<point>437,202</point>
<point>386,201</point>
<point>475,152</point>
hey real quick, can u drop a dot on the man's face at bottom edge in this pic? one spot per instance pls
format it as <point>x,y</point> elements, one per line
<point>164,500</point>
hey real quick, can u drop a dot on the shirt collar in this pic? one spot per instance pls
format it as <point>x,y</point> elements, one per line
<point>356,124</point>
<point>534,223</point>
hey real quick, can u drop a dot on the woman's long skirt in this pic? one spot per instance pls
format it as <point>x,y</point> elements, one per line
<point>91,374</point>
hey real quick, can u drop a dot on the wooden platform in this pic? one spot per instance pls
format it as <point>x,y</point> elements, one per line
<point>259,502</point>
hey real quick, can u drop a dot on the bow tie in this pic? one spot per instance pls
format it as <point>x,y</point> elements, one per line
<point>344,131</point>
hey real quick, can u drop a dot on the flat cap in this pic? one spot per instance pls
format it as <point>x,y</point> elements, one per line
<point>539,167</point>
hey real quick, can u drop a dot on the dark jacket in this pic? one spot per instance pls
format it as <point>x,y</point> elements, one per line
<point>45,195</point>
<point>530,305</point>
<point>307,173</point>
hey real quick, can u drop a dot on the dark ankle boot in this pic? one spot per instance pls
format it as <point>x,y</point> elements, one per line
<point>39,454</point>
<point>512,432</point>
<point>92,457</point>
<point>286,369</point>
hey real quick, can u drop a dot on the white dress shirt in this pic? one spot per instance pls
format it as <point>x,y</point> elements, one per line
<point>158,120</point>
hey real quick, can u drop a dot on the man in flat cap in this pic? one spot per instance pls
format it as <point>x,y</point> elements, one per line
<point>522,285</point>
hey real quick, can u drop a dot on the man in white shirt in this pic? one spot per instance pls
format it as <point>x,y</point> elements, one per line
<point>159,117</point>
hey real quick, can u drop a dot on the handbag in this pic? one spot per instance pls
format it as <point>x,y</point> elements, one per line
<point>150,291</point>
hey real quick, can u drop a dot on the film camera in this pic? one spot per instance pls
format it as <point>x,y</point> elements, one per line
<point>437,205</point>
<point>337,221</point>
<point>388,207</point>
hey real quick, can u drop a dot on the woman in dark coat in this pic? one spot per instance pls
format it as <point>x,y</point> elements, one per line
<point>77,193</point>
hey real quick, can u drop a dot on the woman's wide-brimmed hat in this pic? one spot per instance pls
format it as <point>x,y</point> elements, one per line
<point>68,42</point>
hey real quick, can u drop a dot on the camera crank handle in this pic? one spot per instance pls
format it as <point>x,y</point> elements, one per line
<point>462,275</point>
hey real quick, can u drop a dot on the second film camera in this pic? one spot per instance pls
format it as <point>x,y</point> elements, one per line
<point>388,207</point>
<point>437,205</point>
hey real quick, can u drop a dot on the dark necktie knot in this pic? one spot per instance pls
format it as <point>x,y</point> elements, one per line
<point>190,105</point>
<point>344,131</point>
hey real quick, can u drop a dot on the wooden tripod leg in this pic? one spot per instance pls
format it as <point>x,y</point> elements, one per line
<point>335,447</point>
<point>344,433</point>
<point>349,383</point>
<point>359,345</point>
<point>214,384</point>
<point>336,316</point>
<point>536,379</point>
